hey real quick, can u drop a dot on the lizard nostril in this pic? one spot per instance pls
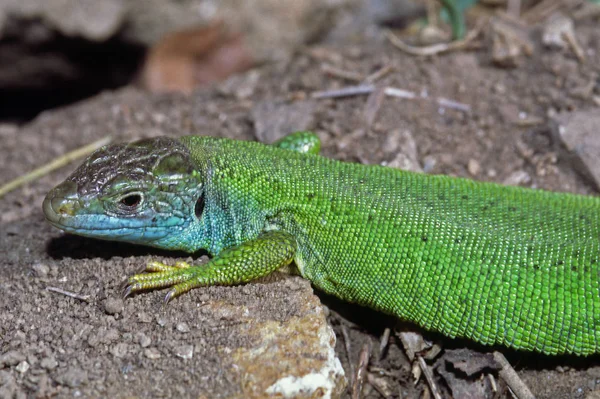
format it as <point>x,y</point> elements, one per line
<point>63,208</point>
<point>61,201</point>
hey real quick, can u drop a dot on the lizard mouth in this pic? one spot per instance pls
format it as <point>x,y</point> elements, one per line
<point>61,204</point>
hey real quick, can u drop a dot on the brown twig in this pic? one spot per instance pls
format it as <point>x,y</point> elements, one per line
<point>384,341</point>
<point>85,298</point>
<point>513,381</point>
<point>347,346</point>
<point>493,382</point>
<point>361,370</point>
<point>434,48</point>
<point>530,121</point>
<point>570,38</point>
<point>429,377</point>
<point>380,73</point>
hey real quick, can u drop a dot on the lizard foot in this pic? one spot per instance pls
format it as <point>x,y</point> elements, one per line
<point>160,275</point>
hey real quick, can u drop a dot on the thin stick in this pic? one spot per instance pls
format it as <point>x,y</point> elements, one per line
<point>57,163</point>
<point>569,36</point>
<point>383,343</point>
<point>389,91</point>
<point>380,73</point>
<point>513,381</point>
<point>434,48</point>
<point>429,377</point>
<point>347,345</point>
<point>85,298</point>
<point>444,102</point>
<point>400,93</point>
<point>361,371</point>
<point>344,92</point>
<point>493,383</point>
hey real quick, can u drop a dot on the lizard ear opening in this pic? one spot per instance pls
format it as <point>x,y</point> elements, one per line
<point>199,208</point>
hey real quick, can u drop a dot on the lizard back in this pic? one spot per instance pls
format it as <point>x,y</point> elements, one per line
<point>496,264</point>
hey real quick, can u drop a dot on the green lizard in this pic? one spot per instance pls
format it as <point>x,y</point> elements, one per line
<point>498,265</point>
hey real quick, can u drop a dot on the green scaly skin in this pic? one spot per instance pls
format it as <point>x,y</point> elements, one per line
<point>498,265</point>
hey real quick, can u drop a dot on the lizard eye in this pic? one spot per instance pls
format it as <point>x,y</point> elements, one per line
<point>131,200</point>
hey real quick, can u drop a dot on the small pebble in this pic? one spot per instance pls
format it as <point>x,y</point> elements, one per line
<point>152,353</point>
<point>144,340</point>
<point>162,321</point>
<point>182,327</point>
<point>113,305</point>
<point>22,367</point>
<point>40,269</point>
<point>185,351</point>
<point>473,167</point>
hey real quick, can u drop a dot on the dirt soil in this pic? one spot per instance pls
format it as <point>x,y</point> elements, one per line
<point>53,345</point>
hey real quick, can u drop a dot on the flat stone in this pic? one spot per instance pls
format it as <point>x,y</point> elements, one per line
<point>294,359</point>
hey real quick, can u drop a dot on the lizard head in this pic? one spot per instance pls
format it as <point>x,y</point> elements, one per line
<point>144,192</point>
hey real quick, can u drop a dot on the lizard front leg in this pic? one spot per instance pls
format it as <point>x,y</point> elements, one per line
<point>239,264</point>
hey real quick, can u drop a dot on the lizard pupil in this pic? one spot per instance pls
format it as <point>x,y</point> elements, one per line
<point>131,200</point>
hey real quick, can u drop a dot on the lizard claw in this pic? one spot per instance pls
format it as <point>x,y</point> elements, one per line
<point>170,295</point>
<point>127,291</point>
